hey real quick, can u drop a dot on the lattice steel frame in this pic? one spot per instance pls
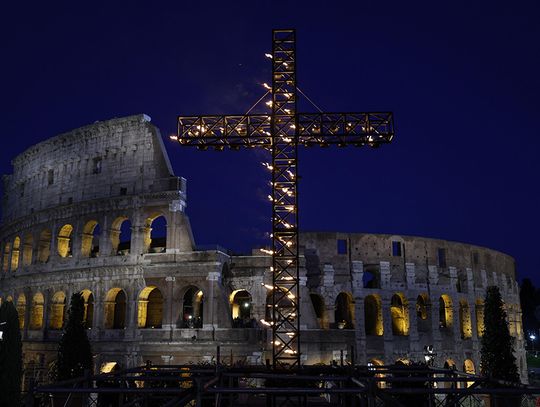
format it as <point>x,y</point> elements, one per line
<point>282,132</point>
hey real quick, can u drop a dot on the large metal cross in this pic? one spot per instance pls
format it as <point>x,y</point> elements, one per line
<point>282,132</point>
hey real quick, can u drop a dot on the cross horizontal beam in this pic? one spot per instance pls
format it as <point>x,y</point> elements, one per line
<point>322,129</point>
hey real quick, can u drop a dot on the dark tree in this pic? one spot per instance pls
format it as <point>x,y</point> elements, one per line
<point>10,356</point>
<point>497,352</point>
<point>74,352</point>
<point>528,296</point>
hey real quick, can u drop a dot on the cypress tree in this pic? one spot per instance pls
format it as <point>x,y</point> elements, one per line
<point>74,352</point>
<point>10,356</point>
<point>497,352</point>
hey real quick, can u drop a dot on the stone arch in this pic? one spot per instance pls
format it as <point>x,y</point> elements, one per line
<point>88,316</point>
<point>115,309</point>
<point>44,246</point>
<point>21,309</point>
<point>90,239</point>
<point>58,306</point>
<point>28,248</point>
<point>446,313</point>
<point>373,315</point>
<point>423,316</point>
<point>15,253</point>
<point>36,312</point>
<point>192,308</point>
<point>449,364</point>
<point>155,233</point>
<point>150,308</point>
<point>121,235</point>
<point>320,310</point>
<point>344,311</point>
<point>399,311</point>
<point>63,240</point>
<point>465,323</point>
<point>241,304</point>
<point>468,367</point>
<point>6,253</point>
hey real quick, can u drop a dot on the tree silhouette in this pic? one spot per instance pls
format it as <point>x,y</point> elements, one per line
<point>10,356</point>
<point>497,352</point>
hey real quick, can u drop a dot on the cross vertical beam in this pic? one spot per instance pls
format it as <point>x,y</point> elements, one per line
<point>285,256</point>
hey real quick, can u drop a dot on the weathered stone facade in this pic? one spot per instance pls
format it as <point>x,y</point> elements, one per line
<point>78,213</point>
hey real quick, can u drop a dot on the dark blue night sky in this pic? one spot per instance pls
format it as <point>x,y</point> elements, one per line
<point>464,87</point>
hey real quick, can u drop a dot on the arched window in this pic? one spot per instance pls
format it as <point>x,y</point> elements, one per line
<point>155,234</point>
<point>192,308</point>
<point>465,323</point>
<point>88,316</point>
<point>21,309</point>
<point>468,367</point>
<point>446,313</point>
<point>64,241</point>
<point>15,253</point>
<point>5,260</point>
<point>36,312</point>
<point>423,317</point>
<point>28,247</point>
<point>400,315</point>
<point>121,236</point>
<point>115,309</point>
<point>90,239</point>
<point>44,246</point>
<point>58,305</point>
<point>320,310</point>
<point>150,309</point>
<point>373,315</point>
<point>344,312</point>
<point>241,309</point>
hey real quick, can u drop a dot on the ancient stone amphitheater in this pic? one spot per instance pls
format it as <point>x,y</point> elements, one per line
<point>80,214</point>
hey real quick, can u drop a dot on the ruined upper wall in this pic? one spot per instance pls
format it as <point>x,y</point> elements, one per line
<point>116,157</point>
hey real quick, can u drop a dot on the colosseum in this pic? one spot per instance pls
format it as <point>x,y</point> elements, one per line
<point>81,213</point>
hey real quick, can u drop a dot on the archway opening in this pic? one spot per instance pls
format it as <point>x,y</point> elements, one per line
<point>465,323</point>
<point>21,309</point>
<point>121,236</point>
<point>192,308</point>
<point>155,237</point>
<point>344,312</point>
<point>28,246</point>
<point>5,260</point>
<point>58,305</point>
<point>422,313</point>
<point>446,314</point>
<point>400,315</point>
<point>36,312</point>
<point>90,239</point>
<point>241,307</point>
<point>320,310</point>
<point>115,309</point>
<point>373,315</point>
<point>479,310</point>
<point>88,316</point>
<point>64,241</point>
<point>150,308</point>
<point>15,253</point>
<point>44,246</point>
<point>468,367</point>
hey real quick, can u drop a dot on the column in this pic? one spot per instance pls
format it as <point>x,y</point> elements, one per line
<point>210,321</point>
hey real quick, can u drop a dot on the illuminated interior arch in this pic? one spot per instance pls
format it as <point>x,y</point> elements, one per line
<point>479,312</point>
<point>446,313</point>
<point>155,233</point>
<point>90,239</point>
<point>36,312</point>
<point>21,309</point>
<point>58,305</point>
<point>88,316</point>
<point>150,308</point>
<point>64,240</point>
<point>192,308</point>
<point>44,246</point>
<point>465,323</point>
<point>115,309</point>
<point>373,317</point>
<point>241,303</point>
<point>468,367</point>
<point>344,311</point>
<point>15,253</point>
<point>28,247</point>
<point>399,311</point>
<point>121,236</point>
<point>5,258</point>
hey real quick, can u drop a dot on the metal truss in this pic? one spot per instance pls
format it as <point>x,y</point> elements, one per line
<point>282,132</point>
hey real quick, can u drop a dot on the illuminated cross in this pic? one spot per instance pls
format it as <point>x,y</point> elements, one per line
<point>282,132</point>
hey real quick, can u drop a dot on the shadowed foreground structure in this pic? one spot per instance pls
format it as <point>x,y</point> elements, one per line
<point>82,214</point>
